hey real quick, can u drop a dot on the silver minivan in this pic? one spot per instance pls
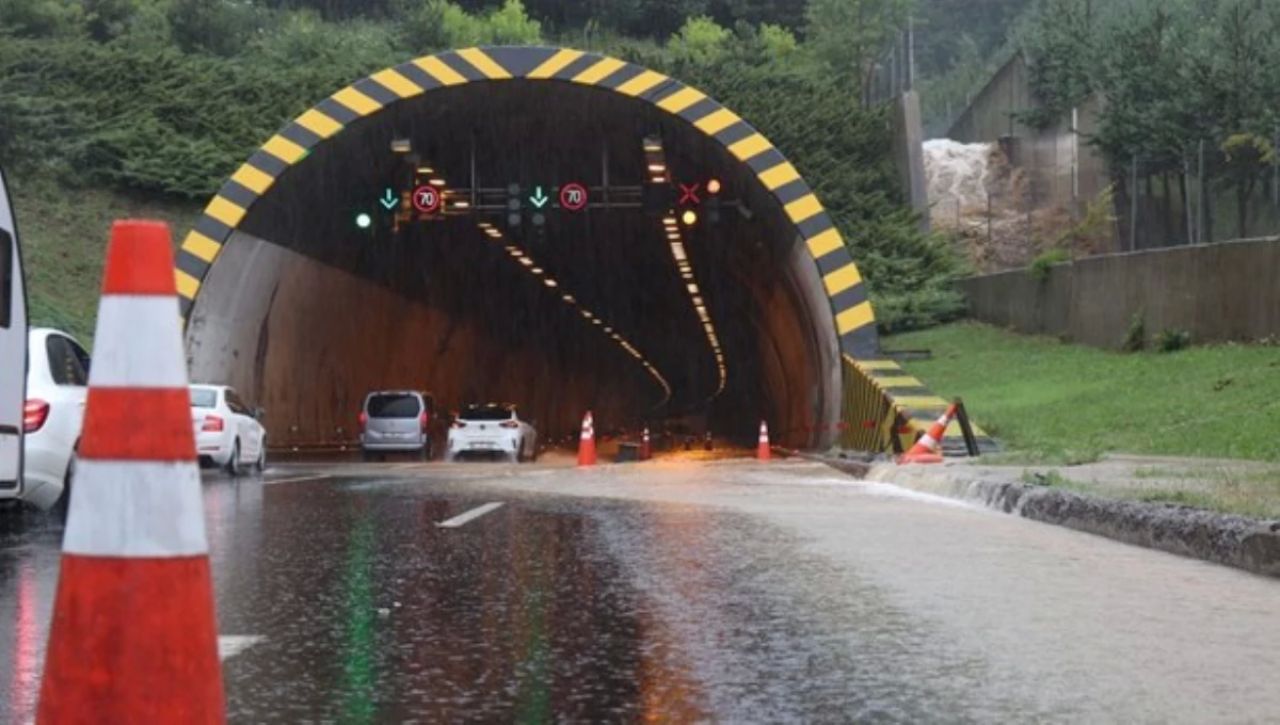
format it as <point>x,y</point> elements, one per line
<point>396,421</point>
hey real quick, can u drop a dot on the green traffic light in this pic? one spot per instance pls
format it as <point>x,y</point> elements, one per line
<point>363,220</point>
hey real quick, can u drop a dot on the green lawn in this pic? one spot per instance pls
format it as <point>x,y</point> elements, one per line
<point>64,235</point>
<point>1054,402</point>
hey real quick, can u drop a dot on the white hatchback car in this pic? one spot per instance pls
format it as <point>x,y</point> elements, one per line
<point>57,381</point>
<point>491,430</point>
<point>228,434</point>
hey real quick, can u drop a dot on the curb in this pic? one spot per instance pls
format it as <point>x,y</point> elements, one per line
<point>1237,541</point>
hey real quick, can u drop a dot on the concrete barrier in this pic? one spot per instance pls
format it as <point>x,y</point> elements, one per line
<point>1217,292</point>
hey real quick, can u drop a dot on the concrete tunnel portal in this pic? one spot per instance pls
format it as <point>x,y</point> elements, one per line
<point>621,307</point>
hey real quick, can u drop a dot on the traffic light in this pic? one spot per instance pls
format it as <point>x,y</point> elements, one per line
<point>711,205</point>
<point>362,218</point>
<point>515,204</point>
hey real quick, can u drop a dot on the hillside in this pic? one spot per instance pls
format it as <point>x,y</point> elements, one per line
<point>64,233</point>
<point>153,105</point>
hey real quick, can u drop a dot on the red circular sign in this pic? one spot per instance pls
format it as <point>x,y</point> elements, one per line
<point>573,197</point>
<point>426,199</point>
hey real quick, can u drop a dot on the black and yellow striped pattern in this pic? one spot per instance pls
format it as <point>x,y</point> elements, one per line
<point>909,408</point>
<point>855,322</point>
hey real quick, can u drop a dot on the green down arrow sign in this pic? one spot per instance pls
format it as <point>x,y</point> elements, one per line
<point>539,199</point>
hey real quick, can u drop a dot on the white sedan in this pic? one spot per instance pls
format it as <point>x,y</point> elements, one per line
<point>491,430</point>
<point>57,381</point>
<point>227,430</point>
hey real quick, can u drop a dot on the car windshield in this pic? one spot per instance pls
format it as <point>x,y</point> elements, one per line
<point>488,412</point>
<point>204,397</point>
<point>394,405</point>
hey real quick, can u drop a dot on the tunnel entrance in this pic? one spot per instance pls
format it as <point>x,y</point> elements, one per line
<point>554,229</point>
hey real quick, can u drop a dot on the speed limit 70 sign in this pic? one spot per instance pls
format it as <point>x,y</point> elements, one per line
<point>573,197</point>
<point>426,199</point>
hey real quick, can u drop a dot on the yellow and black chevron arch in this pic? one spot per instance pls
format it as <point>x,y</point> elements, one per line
<point>854,319</point>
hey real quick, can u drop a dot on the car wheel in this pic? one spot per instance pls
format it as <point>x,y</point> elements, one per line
<point>365,455</point>
<point>63,504</point>
<point>233,463</point>
<point>261,463</point>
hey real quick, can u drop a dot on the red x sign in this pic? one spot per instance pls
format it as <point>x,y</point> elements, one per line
<point>689,194</point>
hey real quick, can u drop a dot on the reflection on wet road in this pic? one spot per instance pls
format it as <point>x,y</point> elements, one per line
<point>673,592</point>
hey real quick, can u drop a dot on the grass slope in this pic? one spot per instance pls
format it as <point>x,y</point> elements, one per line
<point>64,234</point>
<point>1060,402</point>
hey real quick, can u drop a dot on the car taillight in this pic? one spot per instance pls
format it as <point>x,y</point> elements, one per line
<point>212,424</point>
<point>459,424</point>
<point>509,424</point>
<point>364,420</point>
<point>424,421</point>
<point>34,413</point>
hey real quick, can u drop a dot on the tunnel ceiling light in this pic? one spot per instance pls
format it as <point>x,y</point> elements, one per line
<point>657,167</point>
<point>678,253</point>
<point>527,262</point>
<point>426,170</point>
<point>462,204</point>
<point>436,182</point>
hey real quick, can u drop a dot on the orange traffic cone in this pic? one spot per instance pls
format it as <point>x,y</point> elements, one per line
<point>762,448</point>
<point>646,446</point>
<point>587,442</point>
<point>926,450</point>
<point>133,636</point>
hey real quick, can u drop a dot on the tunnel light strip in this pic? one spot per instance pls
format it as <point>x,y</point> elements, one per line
<point>681,256</point>
<point>528,264</point>
<point>656,161</point>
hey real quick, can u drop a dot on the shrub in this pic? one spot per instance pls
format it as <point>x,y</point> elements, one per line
<point>1172,340</point>
<point>1042,265</point>
<point>1135,339</point>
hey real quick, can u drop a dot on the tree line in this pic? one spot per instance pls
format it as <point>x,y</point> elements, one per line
<point>167,97</point>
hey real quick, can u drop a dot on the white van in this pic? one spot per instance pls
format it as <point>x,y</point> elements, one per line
<point>13,350</point>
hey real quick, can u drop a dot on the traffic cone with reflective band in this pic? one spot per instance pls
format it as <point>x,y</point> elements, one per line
<point>133,636</point>
<point>763,452</point>
<point>587,442</point>
<point>926,450</point>
<point>646,446</point>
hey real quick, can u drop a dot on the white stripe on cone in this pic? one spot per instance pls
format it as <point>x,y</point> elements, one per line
<point>125,353</point>
<point>135,509</point>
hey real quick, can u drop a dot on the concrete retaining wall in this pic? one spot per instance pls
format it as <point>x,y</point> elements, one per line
<point>1218,293</point>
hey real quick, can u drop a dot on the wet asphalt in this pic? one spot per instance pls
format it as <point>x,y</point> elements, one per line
<point>341,598</point>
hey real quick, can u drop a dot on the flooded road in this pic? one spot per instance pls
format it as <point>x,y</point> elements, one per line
<point>680,591</point>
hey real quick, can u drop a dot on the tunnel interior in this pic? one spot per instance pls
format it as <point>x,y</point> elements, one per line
<point>305,311</point>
